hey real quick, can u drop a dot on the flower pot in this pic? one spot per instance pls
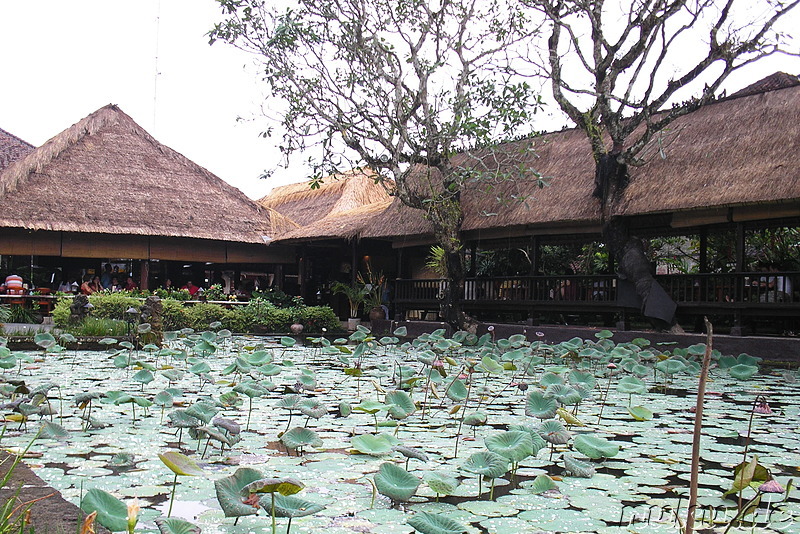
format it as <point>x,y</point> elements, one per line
<point>376,313</point>
<point>352,324</point>
<point>296,329</point>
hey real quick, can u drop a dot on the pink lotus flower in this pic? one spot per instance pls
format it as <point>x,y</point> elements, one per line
<point>762,408</point>
<point>539,334</point>
<point>611,366</point>
<point>438,364</point>
<point>771,486</point>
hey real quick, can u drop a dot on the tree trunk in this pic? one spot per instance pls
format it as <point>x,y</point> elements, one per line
<point>446,218</point>
<point>632,264</point>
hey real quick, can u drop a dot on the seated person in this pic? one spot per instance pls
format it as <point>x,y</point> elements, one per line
<point>191,288</point>
<point>130,285</point>
<point>87,287</point>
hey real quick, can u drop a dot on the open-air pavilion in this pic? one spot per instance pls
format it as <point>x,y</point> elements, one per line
<point>105,191</point>
<point>725,173</point>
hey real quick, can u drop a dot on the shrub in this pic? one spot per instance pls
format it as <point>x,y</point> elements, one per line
<point>174,314</point>
<point>315,318</point>
<point>203,314</point>
<point>112,305</point>
<point>61,312</point>
<point>94,326</point>
<point>175,294</point>
<point>278,298</point>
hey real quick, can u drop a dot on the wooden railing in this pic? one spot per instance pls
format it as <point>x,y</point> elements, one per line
<point>773,290</point>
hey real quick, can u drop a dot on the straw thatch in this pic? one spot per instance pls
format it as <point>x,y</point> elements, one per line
<point>339,193</point>
<point>736,152</point>
<point>105,174</point>
<point>12,148</point>
<point>350,224</point>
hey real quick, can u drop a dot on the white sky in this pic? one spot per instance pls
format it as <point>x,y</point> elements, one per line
<point>62,60</point>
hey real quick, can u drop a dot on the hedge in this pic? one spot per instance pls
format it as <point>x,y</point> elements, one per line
<point>258,315</point>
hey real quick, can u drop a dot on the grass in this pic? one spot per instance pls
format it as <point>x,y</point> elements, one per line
<point>93,326</point>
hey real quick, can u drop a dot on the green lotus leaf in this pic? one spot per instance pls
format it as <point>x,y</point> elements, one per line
<point>536,440</point>
<point>44,339</point>
<point>122,459</point>
<point>300,438</point>
<point>180,464</point>
<point>250,388</point>
<point>429,523</point>
<point>541,484</point>
<point>203,410</point>
<point>284,486</point>
<point>641,371</point>
<point>144,328</point>
<point>200,368</point>
<point>491,366</point>
<point>746,359</point>
<point>370,406</point>
<point>640,413</point>
<point>742,371</point>
<point>441,483</point>
<point>595,447</point>
<point>585,379</point>
<point>457,391</point>
<point>411,452</point>
<point>50,430</point>
<point>476,419</point>
<point>143,377</point>
<point>630,385</point>
<point>554,432</point>
<point>259,357</point>
<point>400,332</point>
<point>671,366</point>
<point>514,445</point>
<point>565,395</point>
<point>373,445</point>
<point>108,341</point>
<point>486,463</point>
<point>345,409</point>
<point>537,405</point>
<point>394,482</point>
<point>578,468</point>
<point>231,399</point>
<point>604,334</point>
<point>289,506</point>
<point>550,379</point>
<point>173,525</point>
<point>182,419</point>
<point>173,375</point>
<point>111,512</point>
<point>127,345</point>
<point>312,408</point>
<point>400,404</point>
<point>229,492</point>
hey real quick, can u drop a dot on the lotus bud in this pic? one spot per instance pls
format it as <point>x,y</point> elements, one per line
<point>771,486</point>
<point>133,514</point>
<point>762,408</point>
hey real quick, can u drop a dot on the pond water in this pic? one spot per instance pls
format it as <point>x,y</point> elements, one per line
<point>642,488</point>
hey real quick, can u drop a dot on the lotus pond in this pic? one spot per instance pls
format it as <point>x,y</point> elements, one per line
<point>364,434</point>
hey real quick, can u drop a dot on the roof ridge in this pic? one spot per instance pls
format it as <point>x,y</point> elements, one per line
<point>17,138</point>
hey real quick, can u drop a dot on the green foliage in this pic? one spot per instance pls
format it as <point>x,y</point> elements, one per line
<point>60,312</point>
<point>112,305</point>
<point>315,318</point>
<point>174,294</point>
<point>202,314</point>
<point>93,326</point>
<point>278,298</point>
<point>174,315</point>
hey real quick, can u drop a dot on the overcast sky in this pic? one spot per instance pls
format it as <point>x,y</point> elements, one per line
<point>64,59</point>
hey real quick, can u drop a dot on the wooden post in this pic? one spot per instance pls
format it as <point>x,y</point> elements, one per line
<point>144,275</point>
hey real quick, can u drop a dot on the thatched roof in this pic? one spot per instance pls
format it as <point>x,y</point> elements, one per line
<point>105,174</point>
<point>12,148</point>
<point>735,152</point>
<point>338,193</point>
<point>349,224</point>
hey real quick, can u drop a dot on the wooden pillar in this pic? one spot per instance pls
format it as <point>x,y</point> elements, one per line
<point>144,275</point>
<point>301,272</point>
<point>738,328</point>
<point>473,259</point>
<point>536,258</point>
<point>704,250</point>
<point>399,268</point>
<point>354,263</point>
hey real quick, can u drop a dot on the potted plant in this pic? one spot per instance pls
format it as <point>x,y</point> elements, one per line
<point>355,294</point>
<point>374,284</point>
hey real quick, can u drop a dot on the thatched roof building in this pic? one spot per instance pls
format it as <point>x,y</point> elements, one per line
<point>732,160</point>
<point>104,187</point>
<point>12,148</point>
<point>337,194</point>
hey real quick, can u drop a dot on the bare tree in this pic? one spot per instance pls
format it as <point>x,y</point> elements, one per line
<point>624,70</point>
<point>400,86</point>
